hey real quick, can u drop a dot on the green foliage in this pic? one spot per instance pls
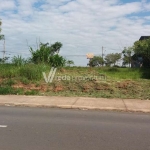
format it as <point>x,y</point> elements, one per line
<point>57,61</point>
<point>45,51</point>
<point>121,73</point>
<point>112,58</point>
<point>8,82</point>
<point>32,92</point>
<point>1,36</point>
<point>96,61</point>
<point>28,71</point>
<point>41,55</point>
<point>8,71</point>
<point>18,61</point>
<point>113,69</point>
<point>32,72</point>
<point>48,55</point>
<point>142,47</point>
<point>70,62</point>
<point>24,80</point>
<point>127,55</point>
<point>111,82</point>
<point>3,60</point>
<point>55,48</point>
<point>5,90</point>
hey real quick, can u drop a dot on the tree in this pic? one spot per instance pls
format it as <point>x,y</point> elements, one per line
<point>48,54</point>
<point>3,60</point>
<point>112,58</point>
<point>127,55</point>
<point>96,61</point>
<point>142,47</point>
<point>55,48</point>
<point>1,36</point>
<point>43,54</point>
<point>70,62</point>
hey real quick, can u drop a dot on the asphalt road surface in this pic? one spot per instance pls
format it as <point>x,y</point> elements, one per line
<point>58,129</point>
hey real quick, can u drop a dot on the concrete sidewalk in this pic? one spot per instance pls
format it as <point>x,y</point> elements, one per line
<point>76,103</point>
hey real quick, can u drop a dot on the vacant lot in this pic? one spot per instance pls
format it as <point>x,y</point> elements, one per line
<point>76,81</point>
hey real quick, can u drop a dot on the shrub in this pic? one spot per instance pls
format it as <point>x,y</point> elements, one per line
<point>8,82</point>
<point>32,92</point>
<point>113,69</point>
<point>24,80</point>
<point>9,90</point>
<point>18,61</point>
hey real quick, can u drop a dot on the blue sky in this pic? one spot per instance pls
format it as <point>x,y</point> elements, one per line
<point>83,26</point>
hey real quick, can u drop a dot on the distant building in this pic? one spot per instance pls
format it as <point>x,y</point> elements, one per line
<point>144,38</point>
<point>141,60</point>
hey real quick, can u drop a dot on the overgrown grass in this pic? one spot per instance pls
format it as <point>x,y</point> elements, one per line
<point>7,90</point>
<point>29,71</point>
<point>122,73</point>
<point>119,82</point>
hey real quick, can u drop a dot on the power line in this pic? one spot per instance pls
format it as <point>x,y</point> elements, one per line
<point>112,48</point>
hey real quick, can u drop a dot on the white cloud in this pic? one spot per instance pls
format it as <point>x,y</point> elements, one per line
<point>6,5</point>
<point>82,25</point>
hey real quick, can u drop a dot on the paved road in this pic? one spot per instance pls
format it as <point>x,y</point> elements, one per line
<point>57,129</point>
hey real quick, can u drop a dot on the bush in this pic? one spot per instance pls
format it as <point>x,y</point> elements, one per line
<point>9,90</point>
<point>57,61</point>
<point>24,80</point>
<point>32,92</point>
<point>113,69</point>
<point>18,61</point>
<point>8,82</point>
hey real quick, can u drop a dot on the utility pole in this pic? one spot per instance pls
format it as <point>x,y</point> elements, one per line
<point>102,53</point>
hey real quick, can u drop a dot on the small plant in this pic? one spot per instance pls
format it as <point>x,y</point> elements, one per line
<point>70,62</point>
<point>113,69</point>
<point>37,84</point>
<point>18,60</point>
<point>25,81</point>
<point>8,82</point>
<point>32,92</point>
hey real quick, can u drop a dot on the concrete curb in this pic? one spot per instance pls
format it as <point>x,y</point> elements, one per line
<point>130,105</point>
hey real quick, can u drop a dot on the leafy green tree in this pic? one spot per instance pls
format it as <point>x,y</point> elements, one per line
<point>3,60</point>
<point>112,59</point>
<point>142,47</point>
<point>70,62</point>
<point>127,55</point>
<point>43,54</point>
<point>96,61</point>
<point>1,36</point>
<point>55,48</point>
<point>48,54</point>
